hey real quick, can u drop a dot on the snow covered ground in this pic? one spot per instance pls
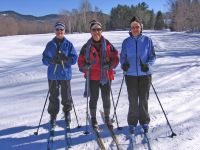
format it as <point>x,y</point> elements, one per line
<point>23,89</point>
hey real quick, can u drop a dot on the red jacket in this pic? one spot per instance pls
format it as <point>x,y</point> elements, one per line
<point>95,59</point>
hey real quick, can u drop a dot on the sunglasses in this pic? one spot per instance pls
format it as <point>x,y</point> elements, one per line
<point>95,30</point>
<point>135,27</point>
<point>59,29</point>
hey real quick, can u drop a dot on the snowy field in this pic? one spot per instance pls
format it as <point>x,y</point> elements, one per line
<point>23,89</point>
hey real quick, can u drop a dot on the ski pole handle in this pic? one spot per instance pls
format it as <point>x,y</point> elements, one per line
<point>55,68</point>
<point>63,64</point>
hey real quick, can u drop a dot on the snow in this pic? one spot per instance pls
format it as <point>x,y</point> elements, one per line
<point>23,89</point>
<point>4,14</point>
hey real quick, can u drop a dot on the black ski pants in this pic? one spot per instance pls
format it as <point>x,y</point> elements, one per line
<point>138,95</point>
<point>57,86</point>
<point>94,95</point>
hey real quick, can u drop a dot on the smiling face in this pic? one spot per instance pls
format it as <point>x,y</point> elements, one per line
<point>135,28</point>
<point>96,33</point>
<point>60,33</point>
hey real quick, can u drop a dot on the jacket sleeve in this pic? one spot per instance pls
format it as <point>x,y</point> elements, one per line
<point>82,59</point>
<point>72,56</point>
<point>114,56</point>
<point>123,54</point>
<point>151,54</point>
<point>46,59</point>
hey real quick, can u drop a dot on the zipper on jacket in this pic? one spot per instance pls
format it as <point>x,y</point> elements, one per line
<point>136,57</point>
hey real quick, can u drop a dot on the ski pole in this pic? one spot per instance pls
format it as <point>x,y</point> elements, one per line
<point>87,115</point>
<point>87,91</point>
<point>75,114</point>
<point>36,133</point>
<point>173,134</point>
<point>109,82</point>
<point>56,65</point>
<point>118,98</point>
<point>119,94</point>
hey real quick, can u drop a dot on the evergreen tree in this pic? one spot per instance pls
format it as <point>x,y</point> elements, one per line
<point>151,20</point>
<point>120,17</point>
<point>159,23</point>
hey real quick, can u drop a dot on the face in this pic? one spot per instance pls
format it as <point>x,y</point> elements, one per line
<point>135,28</point>
<point>96,33</point>
<point>60,33</point>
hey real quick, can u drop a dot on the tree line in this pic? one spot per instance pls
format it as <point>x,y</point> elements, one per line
<point>183,15</point>
<point>119,18</point>
<point>9,25</point>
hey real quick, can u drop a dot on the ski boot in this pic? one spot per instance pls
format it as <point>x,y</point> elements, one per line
<point>108,121</point>
<point>132,129</point>
<point>94,122</point>
<point>53,120</point>
<point>145,127</point>
<point>68,117</point>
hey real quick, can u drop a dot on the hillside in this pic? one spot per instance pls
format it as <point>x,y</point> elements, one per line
<point>13,23</point>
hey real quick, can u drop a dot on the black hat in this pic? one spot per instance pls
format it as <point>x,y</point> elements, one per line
<point>137,19</point>
<point>95,24</point>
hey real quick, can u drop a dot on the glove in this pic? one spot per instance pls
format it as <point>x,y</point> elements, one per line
<point>58,58</point>
<point>87,66</point>
<point>107,66</point>
<point>144,67</point>
<point>126,66</point>
<point>63,57</point>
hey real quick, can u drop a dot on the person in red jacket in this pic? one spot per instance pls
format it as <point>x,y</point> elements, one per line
<point>98,57</point>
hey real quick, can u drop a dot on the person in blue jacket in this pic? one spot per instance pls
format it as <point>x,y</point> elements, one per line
<point>59,55</point>
<point>137,57</point>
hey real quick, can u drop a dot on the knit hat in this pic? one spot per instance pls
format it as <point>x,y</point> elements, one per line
<point>60,25</point>
<point>95,24</point>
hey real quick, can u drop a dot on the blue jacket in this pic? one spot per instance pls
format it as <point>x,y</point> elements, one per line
<point>50,51</point>
<point>134,49</point>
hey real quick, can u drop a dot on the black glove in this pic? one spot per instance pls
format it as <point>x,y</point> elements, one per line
<point>144,67</point>
<point>126,66</point>
<point>87,66</point>
<point>107,66</point>
<point>62,57</point>
<point>58,58</point>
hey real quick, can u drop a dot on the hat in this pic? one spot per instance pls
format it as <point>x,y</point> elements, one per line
<point>59,25</point>
<point>95,24</point>
<point>136,19</point>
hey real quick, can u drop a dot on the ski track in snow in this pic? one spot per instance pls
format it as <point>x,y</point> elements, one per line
<point>23,89</point>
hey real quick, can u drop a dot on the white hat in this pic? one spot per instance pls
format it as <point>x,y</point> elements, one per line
<point>95,24</point>
<point>59,25</point>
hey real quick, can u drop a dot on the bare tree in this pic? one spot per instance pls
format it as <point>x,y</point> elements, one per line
<point>185,15</point>
<point>66,17</point>
<point>96,12</point>
<point>85,8</point>
<point>195,15</point>
<point>8,26</point>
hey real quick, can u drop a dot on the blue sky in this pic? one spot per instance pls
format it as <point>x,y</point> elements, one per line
<point>44,7</point>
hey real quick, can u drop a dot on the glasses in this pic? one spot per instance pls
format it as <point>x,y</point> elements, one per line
<point>135,27</point>
<point>59,29</point>
<point>95,30</point>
